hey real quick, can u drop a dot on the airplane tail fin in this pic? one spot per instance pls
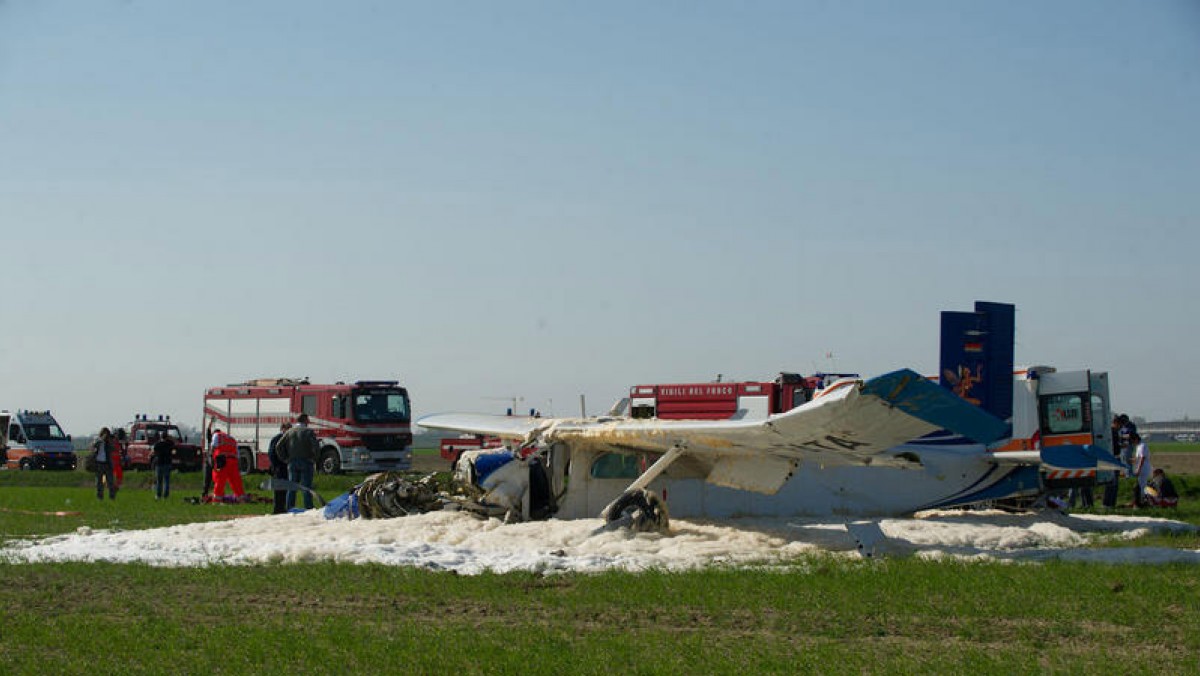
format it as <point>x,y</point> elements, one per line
<point>977,356</point>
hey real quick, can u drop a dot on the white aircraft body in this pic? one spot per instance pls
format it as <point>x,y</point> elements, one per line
<point>859,448</point>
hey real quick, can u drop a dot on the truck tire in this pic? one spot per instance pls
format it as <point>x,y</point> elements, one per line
<point>330,462</point>
<point>245,461</point>
<point>26,464</point>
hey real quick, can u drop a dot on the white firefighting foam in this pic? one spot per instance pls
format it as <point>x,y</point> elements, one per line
<point>459,542</point>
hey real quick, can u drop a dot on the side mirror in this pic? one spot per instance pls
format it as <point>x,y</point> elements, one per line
<point>68,437</point>
<point>21,439</point>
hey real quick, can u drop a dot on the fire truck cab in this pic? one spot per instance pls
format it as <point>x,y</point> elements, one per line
<point>36,441</point>
<point>143,432</point>
<point>362,426</point>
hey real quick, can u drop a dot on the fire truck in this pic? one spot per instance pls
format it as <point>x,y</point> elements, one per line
<point>143,432</point>
<point>720,400</point>
<point>363,426</point>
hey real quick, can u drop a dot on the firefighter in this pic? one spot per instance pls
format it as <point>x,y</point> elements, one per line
<point>118,459</point>
<point>225,466</point>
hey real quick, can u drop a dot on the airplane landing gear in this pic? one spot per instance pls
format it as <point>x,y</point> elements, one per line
<point>641,509</point>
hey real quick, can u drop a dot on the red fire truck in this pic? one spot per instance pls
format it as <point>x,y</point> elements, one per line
<point>453,447</point>
<point>143,432</point>
<point>363,426</point>
<point>717,401</point>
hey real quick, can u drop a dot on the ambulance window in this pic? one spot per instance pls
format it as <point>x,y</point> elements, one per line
<point>615,466</point>
<point>308,404</point>
<point>44,432</point>
<point>1064,414</point>
<point>14,431</point>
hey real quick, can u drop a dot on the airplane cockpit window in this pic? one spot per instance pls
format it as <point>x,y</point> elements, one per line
<point>615,466</point>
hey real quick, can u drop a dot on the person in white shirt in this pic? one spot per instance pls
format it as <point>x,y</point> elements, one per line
<point>1141,467</point>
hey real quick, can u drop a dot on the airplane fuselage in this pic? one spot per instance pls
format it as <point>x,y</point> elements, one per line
<point>945,476</point>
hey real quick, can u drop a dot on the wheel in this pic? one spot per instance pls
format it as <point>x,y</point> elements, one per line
<point>26,464</point>
<point>330,462</point>
<point>643,509</point>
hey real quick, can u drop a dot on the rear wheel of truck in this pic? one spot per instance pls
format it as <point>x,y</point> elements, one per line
<point>245,461</point>
<point>26,464</point>
<point>330,462</point>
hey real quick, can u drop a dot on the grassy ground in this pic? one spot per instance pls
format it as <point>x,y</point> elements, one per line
<point>820,615</point>
<point>1174,447</point>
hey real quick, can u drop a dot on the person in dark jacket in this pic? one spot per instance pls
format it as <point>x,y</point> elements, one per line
<point>279,469</point>
<point>1160,492</point>
<point>163,454</point>
<point>103,453</point>
<point>298,448</point>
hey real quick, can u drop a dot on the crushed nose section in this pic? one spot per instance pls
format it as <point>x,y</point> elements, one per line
<point>641,510</point>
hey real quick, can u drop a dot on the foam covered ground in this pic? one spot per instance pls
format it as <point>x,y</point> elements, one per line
<point>465,544</point>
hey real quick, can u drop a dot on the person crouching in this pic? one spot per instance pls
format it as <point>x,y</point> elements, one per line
<point>225,466</point>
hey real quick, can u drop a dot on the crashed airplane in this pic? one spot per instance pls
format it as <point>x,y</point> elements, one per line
<point>890,445</point>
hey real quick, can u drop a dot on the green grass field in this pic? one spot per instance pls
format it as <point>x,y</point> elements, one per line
<point>820,614</point>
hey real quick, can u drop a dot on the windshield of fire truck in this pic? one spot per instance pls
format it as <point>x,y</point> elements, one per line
<point>157,432</point>
<point>381,406</point>
<point>44,432</point>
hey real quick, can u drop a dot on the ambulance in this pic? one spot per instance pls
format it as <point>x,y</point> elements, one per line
<point>37,441</point>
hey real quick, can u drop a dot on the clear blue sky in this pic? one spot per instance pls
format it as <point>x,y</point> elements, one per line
<point>548,199</point>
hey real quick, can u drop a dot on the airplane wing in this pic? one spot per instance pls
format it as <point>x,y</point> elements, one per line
<point>851,421</point>
<point>512,428</point>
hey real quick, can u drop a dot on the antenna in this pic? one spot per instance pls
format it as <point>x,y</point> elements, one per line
<point>515,400</point>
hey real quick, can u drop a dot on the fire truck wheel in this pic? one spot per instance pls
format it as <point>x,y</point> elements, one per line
<point>245,462</point>
<point>331,462</point>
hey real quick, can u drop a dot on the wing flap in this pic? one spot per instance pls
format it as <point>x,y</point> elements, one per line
<point>765,474</point>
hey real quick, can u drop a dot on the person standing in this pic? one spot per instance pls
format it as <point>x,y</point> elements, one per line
<point>298,448</point>
<point>279,469</point>
<point>102,454</point>
<point>225,466</point>
<point>208,469</point>
<point>118,457</point>
<point>1119,431</point>
<point>1126,429</point>
<point>163,455</point>
<point>1141,468</point>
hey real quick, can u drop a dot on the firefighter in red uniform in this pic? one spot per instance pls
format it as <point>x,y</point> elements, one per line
<point>225,466</point>
<point>118,457</point>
